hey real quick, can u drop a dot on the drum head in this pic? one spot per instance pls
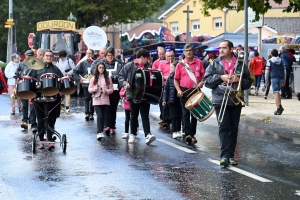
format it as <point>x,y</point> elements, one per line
<point>51,91</point>
<point>138,87</point>
<point>26,95</point>
<point>68,91</point>
<point>194,100</point>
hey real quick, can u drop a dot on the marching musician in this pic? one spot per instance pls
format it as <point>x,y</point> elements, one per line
<point>126,77</point>
<point>23,70</point>
<point>66,66</point>
<point>82,70</point>
<point>187,79</point>
<point>218,73</point>
<point>101,85</point>
<point>113,67</point>
<point>102,54</point>
<point>54,106</point>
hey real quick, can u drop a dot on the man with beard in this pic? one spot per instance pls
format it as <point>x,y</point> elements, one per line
<point>84,68</point>
<point>220,72</point>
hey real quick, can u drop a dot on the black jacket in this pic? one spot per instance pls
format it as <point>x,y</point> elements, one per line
<point>82,70</point>
<point>22,70</point>
<point>212,79</point>
<point>127,74</point>
<point>170,92</point>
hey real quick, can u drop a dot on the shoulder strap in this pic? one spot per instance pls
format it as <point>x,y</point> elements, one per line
<point>189,71</point>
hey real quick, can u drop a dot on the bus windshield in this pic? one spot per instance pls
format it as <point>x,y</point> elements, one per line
<point>58,41</point>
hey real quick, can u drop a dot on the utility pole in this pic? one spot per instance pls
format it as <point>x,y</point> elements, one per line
<point>246,44</point>
<point>188,11</point>
<point>10,33</point>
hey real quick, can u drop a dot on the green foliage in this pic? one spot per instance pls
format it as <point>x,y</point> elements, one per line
<point>88,12</point>
<point>258,6</point>
<point>154,17</point>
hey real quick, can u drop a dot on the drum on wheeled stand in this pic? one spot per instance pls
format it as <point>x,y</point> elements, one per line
<point>147,86</point>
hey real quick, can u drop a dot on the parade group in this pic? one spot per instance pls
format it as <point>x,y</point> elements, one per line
<point>105,80</point>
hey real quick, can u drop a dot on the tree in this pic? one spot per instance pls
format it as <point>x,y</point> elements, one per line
<point>111,12</point>
<point>258,6</point>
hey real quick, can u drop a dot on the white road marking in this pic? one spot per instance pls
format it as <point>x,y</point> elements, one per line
<point>5,118</point>
<point>261,179</point>
<point>297,192</point>
<point>176,146</point>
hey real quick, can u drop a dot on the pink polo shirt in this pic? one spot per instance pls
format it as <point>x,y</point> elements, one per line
<point>156,63</point>
<point>182,76</point>
<point>164,67</point>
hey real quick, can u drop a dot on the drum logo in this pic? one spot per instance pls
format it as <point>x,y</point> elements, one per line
<point>152,77</point>
<point>138,75</point>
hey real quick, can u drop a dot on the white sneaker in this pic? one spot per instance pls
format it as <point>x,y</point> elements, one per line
<point>125,135</point>
<point>131,138</point>
<point>100,136</point>
<point>177,135</point>
<point>150,138</point>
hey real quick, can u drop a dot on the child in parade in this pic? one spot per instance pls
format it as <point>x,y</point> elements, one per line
<point>170,97</point>
<point>100,86</point>
<point>126,106</point>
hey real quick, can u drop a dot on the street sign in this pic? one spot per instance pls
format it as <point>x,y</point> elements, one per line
<point>251,17</point>
<point>30,40</point>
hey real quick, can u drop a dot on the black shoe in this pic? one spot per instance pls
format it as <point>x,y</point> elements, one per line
<point>283,97</point>
<point>188,139</point>
<point>91,117</point>
<point>13,113</point>
<point>289,97</point>
<point>87,117</point>
<point>265,97</point>
<point>278,112</point>
<point>165,125</point>
<point>51,147</point>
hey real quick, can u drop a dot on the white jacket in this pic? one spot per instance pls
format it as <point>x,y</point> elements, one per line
<point>10,70</point>
<point>66,64</point>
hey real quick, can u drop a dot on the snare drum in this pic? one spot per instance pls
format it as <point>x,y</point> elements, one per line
<point>26,87</point>
<point>147,86</point>
<point>200,106</point>
<point>50,85</point>
<point>67,85</point>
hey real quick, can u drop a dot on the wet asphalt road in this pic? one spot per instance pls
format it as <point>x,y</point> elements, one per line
<point>167,169</point>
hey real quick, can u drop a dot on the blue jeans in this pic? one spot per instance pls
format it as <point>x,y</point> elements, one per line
<point>276,84</point>
<point>257,81</point>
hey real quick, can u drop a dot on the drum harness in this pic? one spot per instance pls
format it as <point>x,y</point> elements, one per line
<point>192,76</point>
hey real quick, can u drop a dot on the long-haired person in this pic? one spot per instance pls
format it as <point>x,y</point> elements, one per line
<point>101,87</point>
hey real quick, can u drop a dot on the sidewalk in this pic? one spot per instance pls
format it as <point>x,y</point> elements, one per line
<point>263,109</point>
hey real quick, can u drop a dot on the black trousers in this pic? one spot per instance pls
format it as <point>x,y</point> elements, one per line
<point>25,110</point>
<point>143,108</point>
<point>228,130</point>
<point>189,121</point>
<point>176,113</point>
<point>127,120</point>
<point>32,116</point>
<point>285,90</point>
<point>41,117</point>
<point>110,119</point>
<point>101,113</point>
<point>88,101</point>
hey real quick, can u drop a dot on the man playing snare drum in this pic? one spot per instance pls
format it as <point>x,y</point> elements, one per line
<point>188,77</point>
<point>218,74</point>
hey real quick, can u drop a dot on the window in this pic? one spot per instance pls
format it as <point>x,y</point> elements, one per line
<point>194,3</point>
<point>174,27</point>
<point>196,25</point>
<point>218,23</point>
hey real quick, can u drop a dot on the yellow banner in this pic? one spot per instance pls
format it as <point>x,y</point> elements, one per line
<point>55,24</point>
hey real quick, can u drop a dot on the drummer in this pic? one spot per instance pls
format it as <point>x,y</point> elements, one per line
<point>54,106</point>
<point>66,66</point>
<point>188,77</point>
<point>126,77</point>
<point>23,70</point>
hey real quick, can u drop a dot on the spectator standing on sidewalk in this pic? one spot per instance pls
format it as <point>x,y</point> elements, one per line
<point>287,61</point>
<point>277,71</point>
<point>10,70</point>
<point>257,67</point>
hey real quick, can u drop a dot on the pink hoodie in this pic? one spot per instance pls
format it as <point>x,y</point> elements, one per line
<point>126,103</point>
<point>104,99</point>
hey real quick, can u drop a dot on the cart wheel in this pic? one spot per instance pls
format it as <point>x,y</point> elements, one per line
<point>33,144</point>
<point>64,142</point>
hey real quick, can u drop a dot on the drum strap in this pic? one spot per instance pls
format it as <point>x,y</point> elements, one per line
<point>189,72</point>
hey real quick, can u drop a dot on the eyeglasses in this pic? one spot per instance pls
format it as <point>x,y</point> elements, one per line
<point>188,50</point>
<point>109,55</point>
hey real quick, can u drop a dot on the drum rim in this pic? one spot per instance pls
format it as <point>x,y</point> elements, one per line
<point>66,77</point>
<point>45,75</point>
<point>207,116</point>
<point>193,105</point>
<point>26,78</point>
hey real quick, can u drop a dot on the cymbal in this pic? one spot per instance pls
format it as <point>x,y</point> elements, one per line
<point>34,63</point>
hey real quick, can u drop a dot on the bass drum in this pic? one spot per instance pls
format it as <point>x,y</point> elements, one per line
<point>147,86</point>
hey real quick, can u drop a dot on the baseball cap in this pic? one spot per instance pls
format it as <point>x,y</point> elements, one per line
<point>29,53</point>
